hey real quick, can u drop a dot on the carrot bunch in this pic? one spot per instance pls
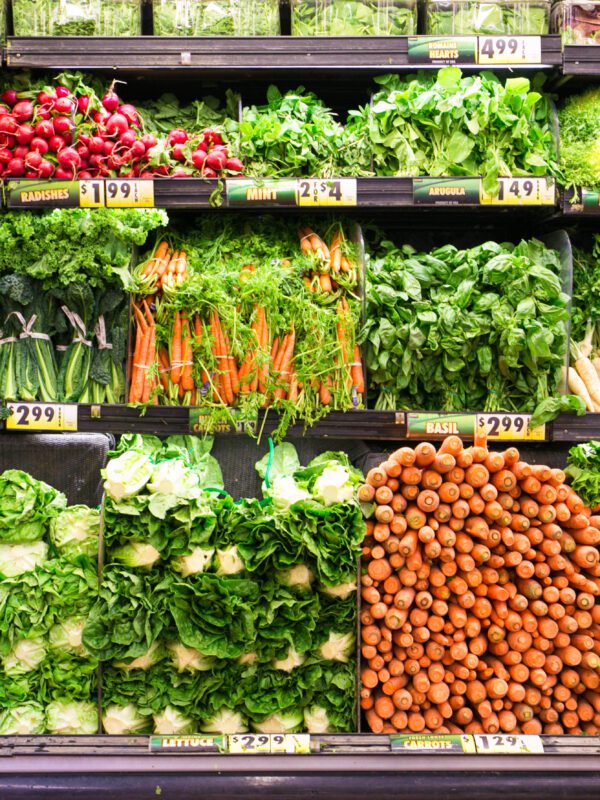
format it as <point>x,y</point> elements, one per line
<point>330,263</point>
<point>164,270</point>
<point>480,582</point>
<point>143,381</point>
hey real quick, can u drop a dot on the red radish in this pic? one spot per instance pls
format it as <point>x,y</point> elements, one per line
<point>5,156</point>
<point>130,113</point>
<point>23,110</point>
<point>146,175</point>
<point>41,112</point>
<point>62,125</point>
<point>44,128</point>
<point>216,160</point>
<point>8,124</point>
<point>62,174</point>
<point>138,150</point>
<point>31,174</point>
<point>84,164</point>
<point>108,147</point>
<point>177,136</point>
<point>84,139</point>
<point>68,138</point>
<point>178,152</point>
<point>96,144</point>
<point>6,140</point>
<point>46,169</point>
<point>117,125</point>
<point>212,136</point>
<point>83,104</point>
<point>234,164</point>
<point>69,157</point>
<point>39,144</point>
<point>64,105</point>
<point>56,143</point>
<point>162,170</point>
<point>20,151</point>
<point>100,117</point>
<point>149,141</point>
<point>209,173</point>
<point>62,91</point>
<point>127,138</point>
<point>110,101</point>
<point>84,174</point>
<point>83,150</point>
<point>45,99</point>
<point>180,173</point>
<point>202,145</point>
<point>25,134</point>
<point>198,158</point>
<point>33,160</point>
<point>96,160</point>
<point>10,96</point>
<point>15,168</point>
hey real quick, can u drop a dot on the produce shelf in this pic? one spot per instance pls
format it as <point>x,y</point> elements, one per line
<point>277,53</point>
<point>97,766</point>
<point>359,424</point>
<point>581,59</point>
<point>586,205</point>
<point>534,194</point>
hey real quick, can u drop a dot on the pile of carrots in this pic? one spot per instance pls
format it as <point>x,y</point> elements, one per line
<point>479,596</point>
<point>329,262</point>
<point>166,269</point>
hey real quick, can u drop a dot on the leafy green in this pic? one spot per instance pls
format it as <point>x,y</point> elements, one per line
<point>26,506</point>
<point>217,18</point>
<point>583,467</point>
<point>579,121</point>
<point>450,124</point>
<point>459,330</point>
<point>471,17</point>
<point>585,307</point>
<point>354,17</point>
<point>77,18</point>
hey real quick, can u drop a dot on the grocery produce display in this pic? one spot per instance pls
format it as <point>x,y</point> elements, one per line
<point>578,118</point>
<point>48,583</point>
<point>222,616</point>
<point>479,586</point>
<point>216,17</point>
<point>250,317</point>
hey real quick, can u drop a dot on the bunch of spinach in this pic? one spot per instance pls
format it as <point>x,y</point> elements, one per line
<point>295,135</point>
<point>217,18</point>
<point>77,18</point>
<point>354,18</point>
<point>450,124</point>
<point>448,17</point>
<point>583,467</point>
<point>462,330</point>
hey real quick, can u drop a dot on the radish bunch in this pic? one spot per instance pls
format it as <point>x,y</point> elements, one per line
<point>60,134</point>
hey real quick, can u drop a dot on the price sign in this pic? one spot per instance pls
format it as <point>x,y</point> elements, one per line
<point>289,743</point>
<point>522,192</point>
<point>173,745</point>
<point>91,194</point>
<point>325,192</point>
<point>509,50</point>
<point>130,194</point>
<point>522,744</point>
<point>427,743</point>
<point>511,427</point>
<point>41,417</point>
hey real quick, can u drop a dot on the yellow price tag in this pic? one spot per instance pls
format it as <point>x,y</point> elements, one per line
<point>91,194</point>
<point>130,193</point>
<point>290,743</point>
<point>326,192</point>
<point>513,744</point>
<point>512,427</point>
<point>509,50</point>
<point>41,417</point>
<point>521,192</point>
<point>242,743</point>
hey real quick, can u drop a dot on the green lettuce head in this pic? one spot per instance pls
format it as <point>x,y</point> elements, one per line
<point>26,506</point>
<point>76,531</point>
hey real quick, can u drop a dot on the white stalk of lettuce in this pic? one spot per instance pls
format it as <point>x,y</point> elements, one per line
<point>173,477</point>
<point>338,647</point>
<point>228,561</point>
<point>25,656</point>
<point>297,577</point>
<point>136,554</point>
<point>126,475</point>
<point>248,658</point>
<point>72,718</point>
<point>152,656</point>
<point>172,721</point>
<point>24,720</point>
<point>225,721</point>
<point>121,720</point>
<point>199,560</point>
<point>285,492</point>
<point>66,635</point>
<point>187,659</point>
<point>282,722</point>
<point>76,531</point>
<point>290,662</point>
<point>316,720</point>
<point>342,590</point>
<point>334,485</point>
<point>17,559</point>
